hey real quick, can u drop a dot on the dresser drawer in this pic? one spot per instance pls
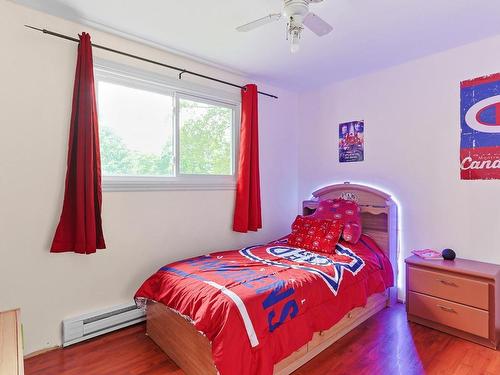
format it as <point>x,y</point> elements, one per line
<point>464,318</point>
<point>454,288</point>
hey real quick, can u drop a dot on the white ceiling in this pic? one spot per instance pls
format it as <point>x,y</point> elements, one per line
<point>368,34</point>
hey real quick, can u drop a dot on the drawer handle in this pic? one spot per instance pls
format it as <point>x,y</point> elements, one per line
<point>447,309</point>
<point>446,282</point>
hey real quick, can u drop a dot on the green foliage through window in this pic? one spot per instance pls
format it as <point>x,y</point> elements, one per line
<point>205,138</point>
<point>118,160</point>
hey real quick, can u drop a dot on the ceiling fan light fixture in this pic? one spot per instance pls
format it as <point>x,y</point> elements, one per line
<point>294,32</point>
<point>294,35</point>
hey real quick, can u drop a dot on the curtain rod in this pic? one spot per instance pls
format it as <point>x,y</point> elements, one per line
<point>182,71</point>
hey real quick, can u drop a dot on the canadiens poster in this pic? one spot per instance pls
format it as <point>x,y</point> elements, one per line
<point>480,128</point>
<point>351,141</point>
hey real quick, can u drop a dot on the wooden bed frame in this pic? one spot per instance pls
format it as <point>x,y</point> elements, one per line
<point>191,350</point>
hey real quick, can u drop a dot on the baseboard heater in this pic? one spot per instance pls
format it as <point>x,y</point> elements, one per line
<point>87,326</point>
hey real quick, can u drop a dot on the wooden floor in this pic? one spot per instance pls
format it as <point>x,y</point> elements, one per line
<point>385,345</point>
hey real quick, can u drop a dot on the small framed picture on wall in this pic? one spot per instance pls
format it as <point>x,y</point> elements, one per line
<point>352,141</point>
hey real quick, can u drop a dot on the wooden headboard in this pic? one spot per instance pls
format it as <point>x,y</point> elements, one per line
<point>379,215</point>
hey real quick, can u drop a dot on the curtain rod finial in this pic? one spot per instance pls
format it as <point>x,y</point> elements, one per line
<point>34,28</point>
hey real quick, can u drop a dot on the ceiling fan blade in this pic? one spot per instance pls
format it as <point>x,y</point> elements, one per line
<point>260,22</point>
<point>317,25</point>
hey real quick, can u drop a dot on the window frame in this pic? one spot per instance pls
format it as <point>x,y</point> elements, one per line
<point>111,72</point>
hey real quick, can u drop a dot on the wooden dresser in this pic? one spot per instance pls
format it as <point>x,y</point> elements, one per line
<point>459,297</point>
<point>11,348</point>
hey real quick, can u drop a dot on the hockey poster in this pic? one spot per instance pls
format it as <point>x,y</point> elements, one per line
<point>480,128</point>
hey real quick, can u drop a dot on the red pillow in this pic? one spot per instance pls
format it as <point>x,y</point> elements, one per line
<point>352,232</point>
<point>313,234</point>
<point>347,212</point>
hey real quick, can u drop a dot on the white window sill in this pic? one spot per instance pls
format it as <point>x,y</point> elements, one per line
<point>110,184</point>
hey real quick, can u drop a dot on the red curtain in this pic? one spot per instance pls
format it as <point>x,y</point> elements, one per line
<point>80,227</point>
<point>247,211</point>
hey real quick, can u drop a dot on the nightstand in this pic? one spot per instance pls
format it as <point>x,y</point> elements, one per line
<point>459,297</point>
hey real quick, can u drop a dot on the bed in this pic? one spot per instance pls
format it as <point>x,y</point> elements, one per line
<point>269,308</point>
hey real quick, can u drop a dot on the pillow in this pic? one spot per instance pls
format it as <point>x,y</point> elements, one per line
<point>313,234</point>
<point>347,212</point>
<point>351,232</point>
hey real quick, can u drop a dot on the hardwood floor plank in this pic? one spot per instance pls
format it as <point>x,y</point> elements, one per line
<point>384,345</point>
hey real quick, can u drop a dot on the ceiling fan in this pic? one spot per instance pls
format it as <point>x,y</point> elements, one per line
<point>297,15</point>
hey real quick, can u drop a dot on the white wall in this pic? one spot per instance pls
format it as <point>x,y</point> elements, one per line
<point>411,115</point>
<point>143,230</point>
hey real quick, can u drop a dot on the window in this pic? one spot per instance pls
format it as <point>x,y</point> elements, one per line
<point>136,132</point>
<point>160,134</point>
<point>205,138</point>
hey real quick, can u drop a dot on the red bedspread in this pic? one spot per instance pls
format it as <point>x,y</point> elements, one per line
<point>260,304</point>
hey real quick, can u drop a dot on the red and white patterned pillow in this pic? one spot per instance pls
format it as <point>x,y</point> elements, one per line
<point>313,234</point>
<point>347,212</point>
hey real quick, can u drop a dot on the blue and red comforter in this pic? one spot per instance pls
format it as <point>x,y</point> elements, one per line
<point>260,304</point>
